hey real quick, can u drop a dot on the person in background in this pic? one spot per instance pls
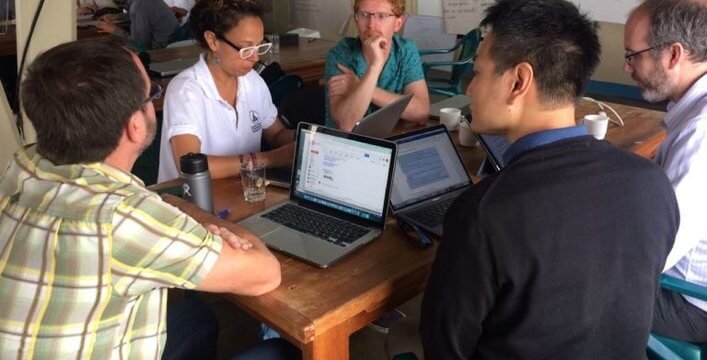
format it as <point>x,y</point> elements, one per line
<point>88,251</point>
<point>181,9</point>
<point>557,256</point>
<point>152,24</point>
<point>666,54</point>
<point>220,106</point>
<point>89,7</point>
<point>368,72</point>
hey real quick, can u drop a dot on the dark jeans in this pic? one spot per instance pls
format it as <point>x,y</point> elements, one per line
<point>192,331</point>
<point>676,318</point>
<point>271,349</point>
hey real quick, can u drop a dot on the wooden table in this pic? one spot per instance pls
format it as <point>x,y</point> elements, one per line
<point>306,60</point>
<point>318,309</point>
<point>8,42</point>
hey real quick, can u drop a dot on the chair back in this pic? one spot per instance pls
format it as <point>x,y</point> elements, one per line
<point>469,45</point>
<point>304,104</point>
<point>663,347</point>
<point>283,86</point>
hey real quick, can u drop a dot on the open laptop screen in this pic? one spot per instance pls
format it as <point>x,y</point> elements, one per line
<point>347,173</point>
<point>494,146</point>
<point>427,166</point>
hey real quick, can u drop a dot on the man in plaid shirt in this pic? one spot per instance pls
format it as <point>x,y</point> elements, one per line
<point>86,252</point>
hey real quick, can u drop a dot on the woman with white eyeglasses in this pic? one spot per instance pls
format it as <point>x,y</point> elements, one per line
<point>220,106</point>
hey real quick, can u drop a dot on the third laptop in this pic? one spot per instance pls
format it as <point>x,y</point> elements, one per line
<point>429,175</point>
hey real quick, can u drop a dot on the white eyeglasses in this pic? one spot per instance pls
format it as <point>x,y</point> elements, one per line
<point>249,51</point>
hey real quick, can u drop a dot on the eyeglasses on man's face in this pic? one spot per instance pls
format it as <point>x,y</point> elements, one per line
<point>155,92</point>
<point>366,16</point>
<point>630,56</point>
<point>249,51</point>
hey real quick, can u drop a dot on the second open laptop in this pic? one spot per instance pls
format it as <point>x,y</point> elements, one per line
<point>429,175</point>
<point>338,196</point>
<point>378,124</point>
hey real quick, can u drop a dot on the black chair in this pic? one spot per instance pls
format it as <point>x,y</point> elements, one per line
<point>283,86</point>
<point>304,104</point>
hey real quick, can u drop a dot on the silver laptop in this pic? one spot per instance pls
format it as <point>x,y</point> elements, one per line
<point>338,196</point>
<point>458,101</point>
<point>380,123</point>
<point>172,67</point>
<point>429,175</point>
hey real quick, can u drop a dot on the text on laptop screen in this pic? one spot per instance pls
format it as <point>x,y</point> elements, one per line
<point>342,174</point>
<point>429,166</point>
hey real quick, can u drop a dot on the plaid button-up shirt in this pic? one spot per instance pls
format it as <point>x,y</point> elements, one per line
<point>86,257</point>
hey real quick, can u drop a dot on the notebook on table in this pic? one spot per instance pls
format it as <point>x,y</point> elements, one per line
<point>339,194</point>
<point>429,176</point>
<point>378,124</point>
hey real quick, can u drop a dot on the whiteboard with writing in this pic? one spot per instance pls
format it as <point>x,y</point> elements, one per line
<point>460,16</point>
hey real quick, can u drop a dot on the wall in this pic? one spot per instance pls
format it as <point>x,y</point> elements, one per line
<point>610,35</point>
<point>56,25</point>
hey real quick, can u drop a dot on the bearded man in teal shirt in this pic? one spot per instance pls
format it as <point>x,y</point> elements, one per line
<point>365,73</point>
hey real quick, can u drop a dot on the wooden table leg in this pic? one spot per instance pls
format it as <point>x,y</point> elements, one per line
<point>331,345</point>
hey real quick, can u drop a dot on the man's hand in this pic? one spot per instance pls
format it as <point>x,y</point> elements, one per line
<point>236,242</point>
<point>179,12</point>
<point>106,26</point>
<point>342,84</point>
<point>86,10</point>
<point>375,50</point>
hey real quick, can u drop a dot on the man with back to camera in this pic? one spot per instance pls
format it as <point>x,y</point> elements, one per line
<point>87,251</point>
<point>666,54</point>
<point>374,69</point>
<point>556,256</point>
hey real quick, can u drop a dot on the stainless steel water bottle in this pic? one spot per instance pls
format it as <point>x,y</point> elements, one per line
<point>196,180</point>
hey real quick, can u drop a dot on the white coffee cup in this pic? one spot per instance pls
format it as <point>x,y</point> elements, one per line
<point>596,125</point>
<point>450,117</point>
<point>466,136</point>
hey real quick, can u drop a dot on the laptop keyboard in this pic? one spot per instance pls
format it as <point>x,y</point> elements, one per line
<point>433,215</point>
<point>310,222</point>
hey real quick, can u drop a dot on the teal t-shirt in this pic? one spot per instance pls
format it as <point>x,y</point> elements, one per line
<point>403,66</point>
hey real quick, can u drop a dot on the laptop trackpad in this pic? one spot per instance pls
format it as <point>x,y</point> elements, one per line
<point>298,244</point>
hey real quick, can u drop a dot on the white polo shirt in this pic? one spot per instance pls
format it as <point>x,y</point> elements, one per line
<point>683,157</point>
<point>193,106</point>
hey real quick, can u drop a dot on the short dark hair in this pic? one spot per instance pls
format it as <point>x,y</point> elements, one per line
<point>220,16</point>
<point>79,96</point>
<point>683,21</point>
<point>558,41</point>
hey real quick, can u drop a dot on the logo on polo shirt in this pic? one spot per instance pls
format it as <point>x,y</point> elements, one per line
<point>255,121</point>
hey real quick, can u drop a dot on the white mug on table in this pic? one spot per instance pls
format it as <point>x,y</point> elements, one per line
<point>596,125</point>
<point>450,117</point>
